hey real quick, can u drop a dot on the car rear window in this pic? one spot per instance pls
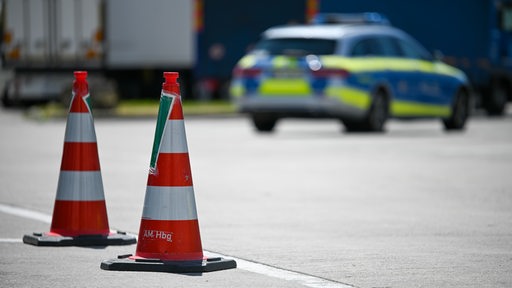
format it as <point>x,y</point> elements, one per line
<point>296,46</point>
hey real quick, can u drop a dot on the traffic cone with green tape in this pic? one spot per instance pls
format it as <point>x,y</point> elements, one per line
<point>80,214</point>
<point>169,238</point>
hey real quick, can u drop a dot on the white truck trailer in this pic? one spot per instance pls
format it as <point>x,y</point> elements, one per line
<point>117,41</point>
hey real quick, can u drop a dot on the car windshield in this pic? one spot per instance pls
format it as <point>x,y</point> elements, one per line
<point>295,46</point>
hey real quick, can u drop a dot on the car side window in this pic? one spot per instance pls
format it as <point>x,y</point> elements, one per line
<point>366,47</point>
<point>411,50</point>
<point>390,47</point>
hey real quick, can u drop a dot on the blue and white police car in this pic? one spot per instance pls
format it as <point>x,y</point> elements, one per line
<point>360,71</point>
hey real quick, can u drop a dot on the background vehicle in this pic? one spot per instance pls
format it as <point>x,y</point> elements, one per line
<point>360,73</point>
<point>474,35</point>
<point>126,58</point>
<point>126,44</point>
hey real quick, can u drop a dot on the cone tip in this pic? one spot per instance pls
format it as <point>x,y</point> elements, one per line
<point>80,74</point>
<point>171,77</point>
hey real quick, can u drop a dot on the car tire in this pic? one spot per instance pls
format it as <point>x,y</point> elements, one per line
<point>379,112</point>
<point>352,126</point>
<point>376,117</point>
<point>264,122</point>
<point>460,112</point>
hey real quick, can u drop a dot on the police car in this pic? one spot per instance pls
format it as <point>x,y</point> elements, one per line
<point>359,71</point>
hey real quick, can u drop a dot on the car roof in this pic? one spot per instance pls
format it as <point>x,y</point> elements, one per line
<point>330,31</point>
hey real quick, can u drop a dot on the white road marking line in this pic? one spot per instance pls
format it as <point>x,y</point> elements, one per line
<point>25,213</point>
<point>259,268</point>
<point>299,278</point>
<point>10,240</point>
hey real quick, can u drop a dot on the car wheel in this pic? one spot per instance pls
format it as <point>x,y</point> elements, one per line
<point>375,119</point>
<point>379,112</point>
<point>496,101</point>
<point>353,126</point>
<point>460,112</point>
<point>264,122</point>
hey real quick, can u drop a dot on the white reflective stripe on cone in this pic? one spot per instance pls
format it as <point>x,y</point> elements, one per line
<point>80,128</point>
<point>169,203</point>
<point>174,139</point>
<point>80,186</point>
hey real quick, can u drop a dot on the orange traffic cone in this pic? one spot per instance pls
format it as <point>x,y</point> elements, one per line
<point>169,239</point>
<point>80,214</point>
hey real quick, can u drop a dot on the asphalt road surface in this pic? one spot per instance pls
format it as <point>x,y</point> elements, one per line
<point>306,206</point>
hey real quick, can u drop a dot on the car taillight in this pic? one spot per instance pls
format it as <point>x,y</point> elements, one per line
<point>328,73</point>
<point>247,72</point>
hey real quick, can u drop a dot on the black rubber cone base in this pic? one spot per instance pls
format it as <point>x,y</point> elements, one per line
<point>42,239</point>
<point>123,263</point>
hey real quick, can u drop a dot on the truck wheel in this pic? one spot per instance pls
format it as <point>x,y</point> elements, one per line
<point>496,101</point>
<point>460,112</point>
<point>264,122</point>
<point>6,102</point>
<point>104,94</point>
<point>66,95</point>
